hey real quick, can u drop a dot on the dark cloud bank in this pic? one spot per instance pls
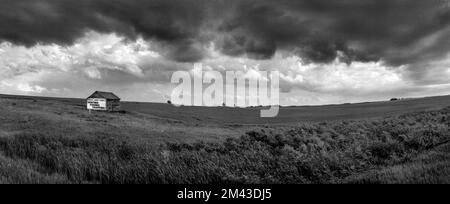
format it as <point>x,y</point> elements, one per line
<point>317,30</point>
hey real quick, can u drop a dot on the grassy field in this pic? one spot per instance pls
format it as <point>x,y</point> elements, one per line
<point>290,115</point>
<point>51,140</point>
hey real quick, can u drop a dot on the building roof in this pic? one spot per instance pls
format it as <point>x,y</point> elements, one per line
<point>106,95</point>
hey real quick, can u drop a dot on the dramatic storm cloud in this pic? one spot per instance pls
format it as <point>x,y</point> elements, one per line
<point>314,29</point>
<point>323,48</point>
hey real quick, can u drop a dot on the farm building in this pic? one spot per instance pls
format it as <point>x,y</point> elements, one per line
<point>103,101</point>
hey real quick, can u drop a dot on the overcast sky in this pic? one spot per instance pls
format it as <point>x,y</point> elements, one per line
<point>328,51</point>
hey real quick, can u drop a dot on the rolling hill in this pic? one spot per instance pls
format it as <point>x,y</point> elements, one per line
<point>250,116</point>
<point>55,140</point>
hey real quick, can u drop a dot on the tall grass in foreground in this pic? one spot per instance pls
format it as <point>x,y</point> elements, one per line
<point>309,153</point>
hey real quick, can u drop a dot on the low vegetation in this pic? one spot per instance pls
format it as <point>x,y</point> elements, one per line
<point>408,148</point>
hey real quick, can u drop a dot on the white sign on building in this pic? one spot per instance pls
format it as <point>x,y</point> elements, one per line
<point>96,104</point>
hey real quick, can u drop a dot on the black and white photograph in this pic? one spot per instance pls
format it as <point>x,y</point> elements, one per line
<point>225,92</point>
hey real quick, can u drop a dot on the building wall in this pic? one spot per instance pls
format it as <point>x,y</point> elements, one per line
<point>113,105</point>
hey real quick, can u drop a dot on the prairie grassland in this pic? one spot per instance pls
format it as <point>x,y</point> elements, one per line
<point>71,119</point>
<point>54,141</point>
